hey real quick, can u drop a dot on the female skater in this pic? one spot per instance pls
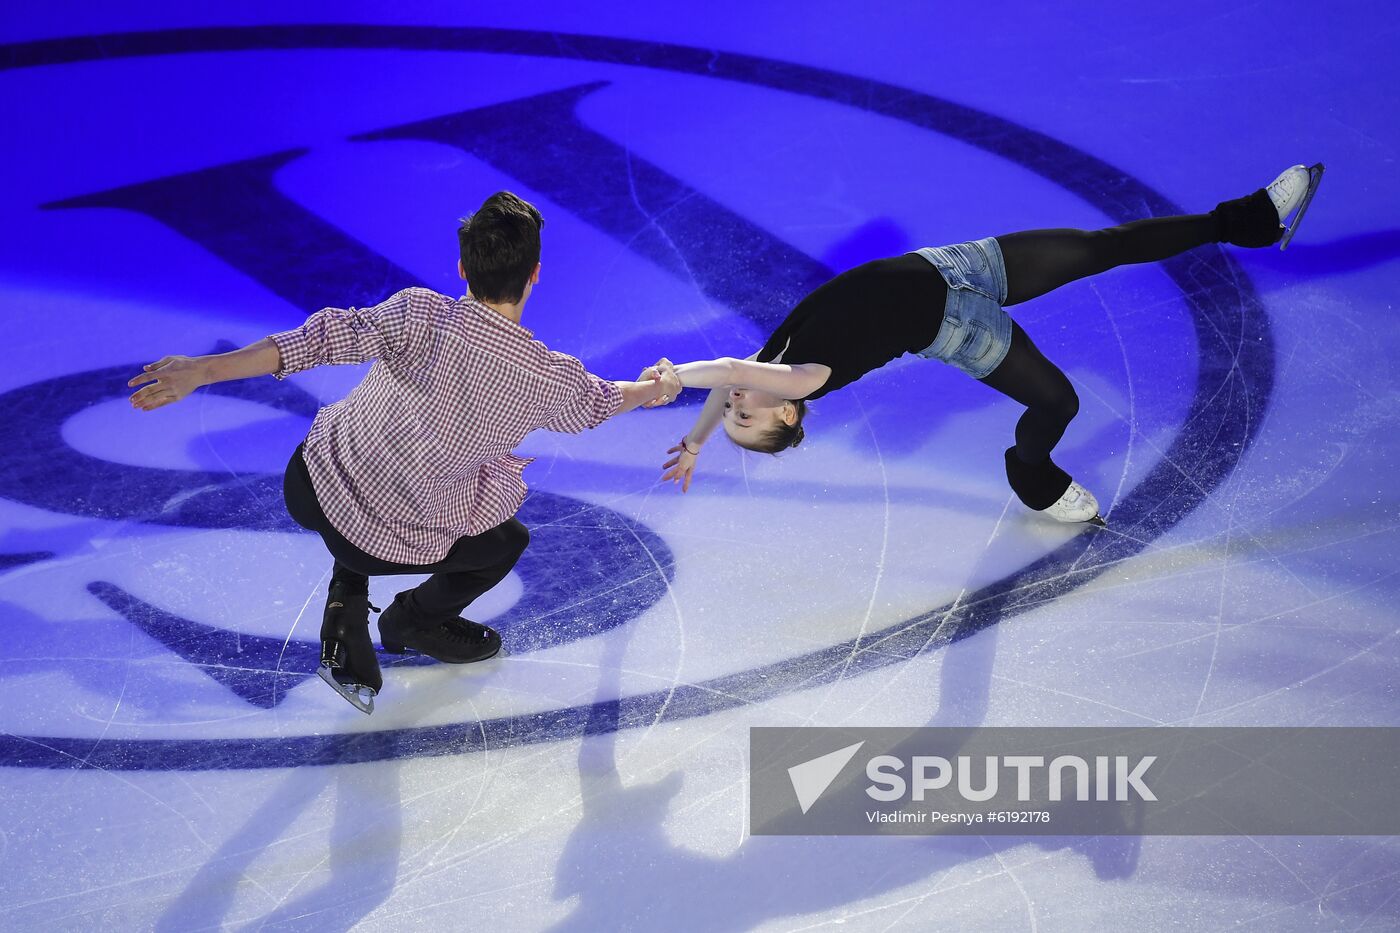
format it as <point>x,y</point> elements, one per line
<point>946,303</point>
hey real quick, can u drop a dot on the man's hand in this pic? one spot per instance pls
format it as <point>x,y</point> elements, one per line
<point>669,382</point>
<point>171,378</point>
<point>681,467</point>
<point>652,376</point>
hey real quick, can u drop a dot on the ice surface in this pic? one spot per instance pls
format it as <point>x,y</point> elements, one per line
<point>170,760</point>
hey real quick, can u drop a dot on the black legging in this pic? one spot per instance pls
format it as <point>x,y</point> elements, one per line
<point>1040,261</point>
<point>473,565</point>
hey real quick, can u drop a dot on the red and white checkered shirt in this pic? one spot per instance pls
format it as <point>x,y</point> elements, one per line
<point>419,453</point>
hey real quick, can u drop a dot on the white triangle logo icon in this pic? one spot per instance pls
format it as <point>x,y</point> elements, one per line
<point>811,778</point>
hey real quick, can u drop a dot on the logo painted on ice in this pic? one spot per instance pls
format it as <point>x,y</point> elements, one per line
<point>1234,346</point>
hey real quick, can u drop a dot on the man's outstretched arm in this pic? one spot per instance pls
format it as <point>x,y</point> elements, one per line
<point>171,378</point>
<point>589,400</point>
<point>330,337</point>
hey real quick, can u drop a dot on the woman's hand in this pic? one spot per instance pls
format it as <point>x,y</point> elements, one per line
<point>665,375</point>
<point>681,467</point>
<point>171,378</point>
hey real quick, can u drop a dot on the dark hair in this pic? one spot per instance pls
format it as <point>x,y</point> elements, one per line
<point>500,247</point>
<point>782,435</point>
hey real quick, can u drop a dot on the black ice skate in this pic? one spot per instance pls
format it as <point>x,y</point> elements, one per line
<point>454,641</point>
<point>348,661</point>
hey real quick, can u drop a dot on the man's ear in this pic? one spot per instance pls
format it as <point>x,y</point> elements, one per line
<point>789,413</point>
<point>461,273</point>
<point>535,276</point>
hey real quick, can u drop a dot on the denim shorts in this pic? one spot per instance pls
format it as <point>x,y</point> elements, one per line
<point>976,332</point>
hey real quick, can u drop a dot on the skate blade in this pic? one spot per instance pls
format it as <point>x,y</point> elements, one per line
<point>1097,521</point>
<point>1314,179</point>
<point>357,695</point>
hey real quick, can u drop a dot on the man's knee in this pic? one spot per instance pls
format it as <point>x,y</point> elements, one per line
<point>515,538</point>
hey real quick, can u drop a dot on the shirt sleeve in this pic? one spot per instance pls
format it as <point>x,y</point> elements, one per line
<point>586,400</point>
<point>340,336</point>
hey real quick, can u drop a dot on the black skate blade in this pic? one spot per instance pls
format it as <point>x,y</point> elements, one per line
<point>357,695</point>
<point>1314,179</point>
<point>1097,521</point>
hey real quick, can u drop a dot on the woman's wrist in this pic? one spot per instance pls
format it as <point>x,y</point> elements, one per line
<point>685,445</point>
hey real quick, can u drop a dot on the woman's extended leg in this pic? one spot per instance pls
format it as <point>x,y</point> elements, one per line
<point>1040,261</point>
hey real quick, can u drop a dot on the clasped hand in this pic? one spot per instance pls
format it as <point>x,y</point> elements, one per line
<point>663,373</point>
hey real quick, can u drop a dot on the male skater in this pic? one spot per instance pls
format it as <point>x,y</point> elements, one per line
<point>412,472</point>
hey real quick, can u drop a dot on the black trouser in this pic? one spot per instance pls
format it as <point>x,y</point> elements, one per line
<point>474,564</point>
<point>1040,261</point>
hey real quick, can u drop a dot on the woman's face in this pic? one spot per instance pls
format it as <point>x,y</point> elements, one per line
<point>750,413</point>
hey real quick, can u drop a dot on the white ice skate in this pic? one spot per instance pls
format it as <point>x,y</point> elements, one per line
<point>1076,506</point>
<point>1291,193</point>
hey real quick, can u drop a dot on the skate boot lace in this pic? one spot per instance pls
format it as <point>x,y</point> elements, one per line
<point>1284,189</point>
<point>459,631</point>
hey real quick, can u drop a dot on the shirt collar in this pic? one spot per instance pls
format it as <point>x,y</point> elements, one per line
<point>499,320</point>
